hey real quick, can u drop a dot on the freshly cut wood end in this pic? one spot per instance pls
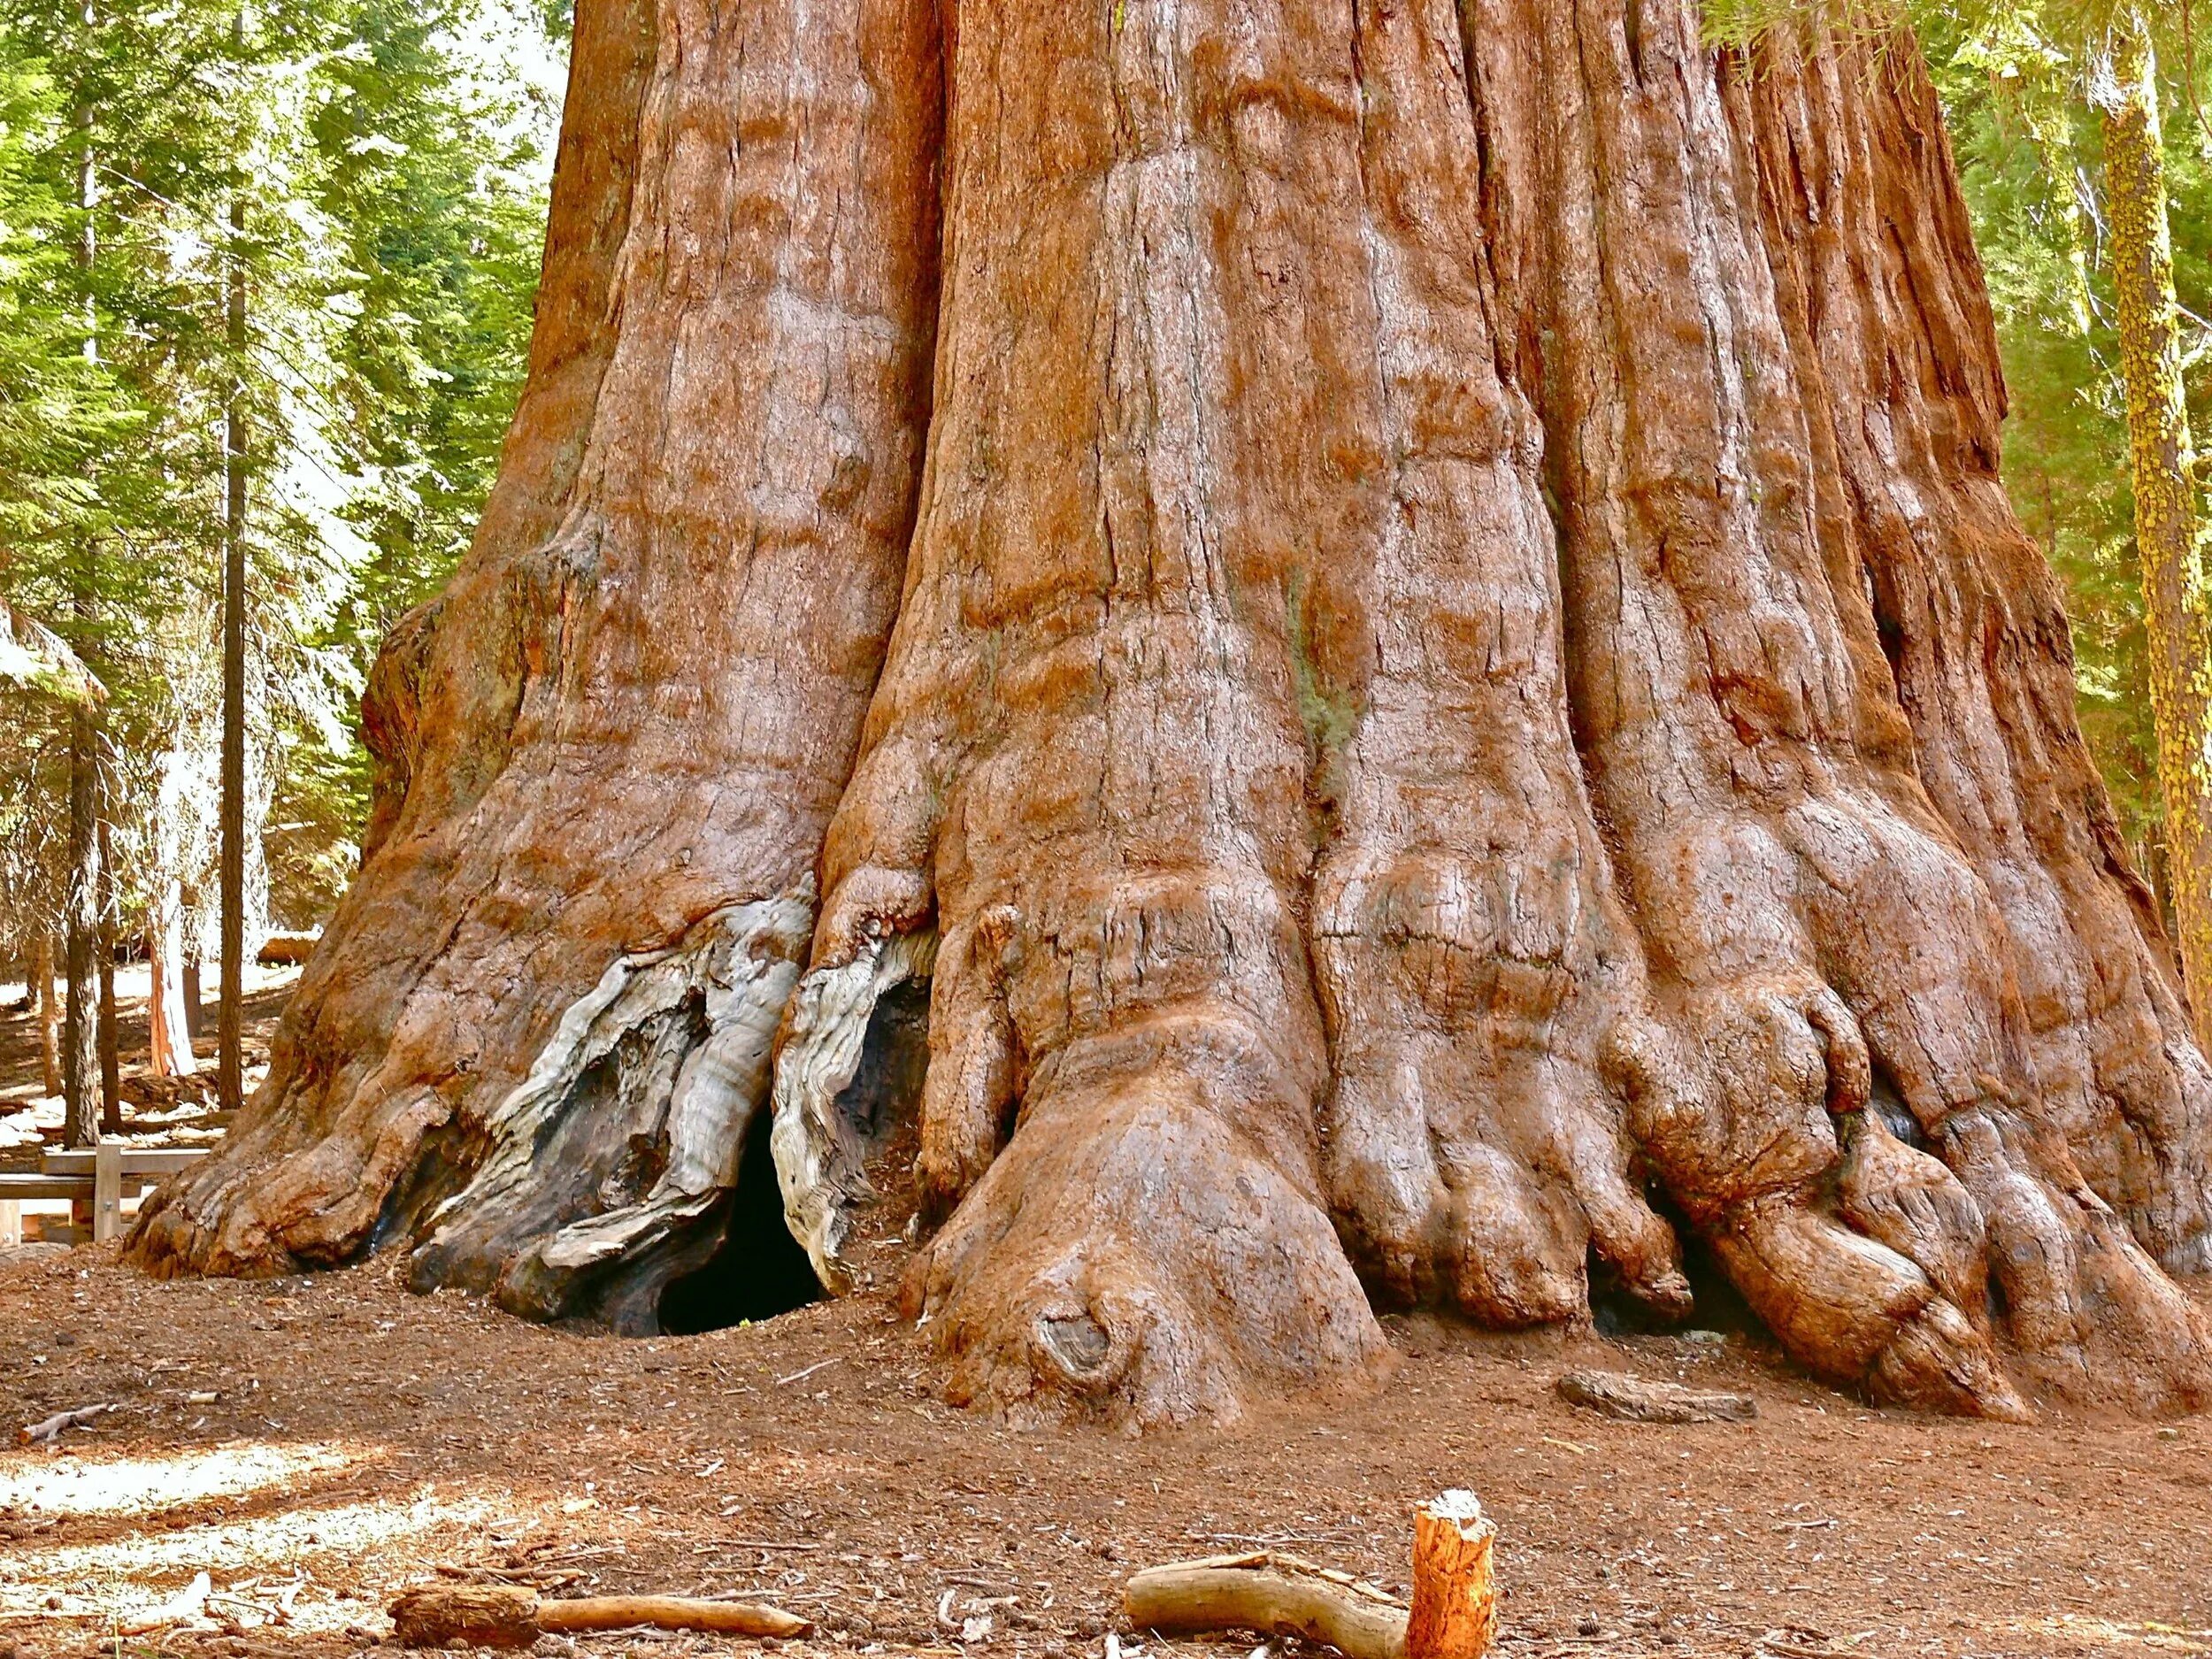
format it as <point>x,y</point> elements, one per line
<point>1454,1600</point>
<point>1459,1506</point>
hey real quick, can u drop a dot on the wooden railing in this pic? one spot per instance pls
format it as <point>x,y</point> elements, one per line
<point>100,1177</point>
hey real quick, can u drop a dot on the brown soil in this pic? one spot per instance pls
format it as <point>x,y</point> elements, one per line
<point>361,1438</point>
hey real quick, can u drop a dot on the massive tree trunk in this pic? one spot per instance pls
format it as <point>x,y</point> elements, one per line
<point>1464,715</point>
<point>538,1028</point>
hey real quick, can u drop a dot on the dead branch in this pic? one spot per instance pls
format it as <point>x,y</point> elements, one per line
<point>1631,1399</point>
<point>50,1428</point>
<point>1274,1594</point>
<point>502,1616</point>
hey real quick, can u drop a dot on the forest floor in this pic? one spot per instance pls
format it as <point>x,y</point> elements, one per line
<point>316,1443</point>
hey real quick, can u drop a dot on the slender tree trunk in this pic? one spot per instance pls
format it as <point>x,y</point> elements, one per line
<point>80,1053</point>
<point>2047,105</point>
<point>2171,535</point>
<point>110,1031</point>
<point>170,1039</point>
<point>230,1011</point>
<point>49,1035</point>
<point>81,903</point>
<point>161,1005</point>
<point>194,1006</point>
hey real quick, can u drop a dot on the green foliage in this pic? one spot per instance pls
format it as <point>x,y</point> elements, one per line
<point>387,160</point>
<point>2031,163</point>
<point>431,175</point>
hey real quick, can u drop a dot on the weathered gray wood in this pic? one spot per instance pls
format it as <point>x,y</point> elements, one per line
<point>52,1428</point>
<point>107,1192</point>
<point>16,1189</point>
<point>1631,1399</point>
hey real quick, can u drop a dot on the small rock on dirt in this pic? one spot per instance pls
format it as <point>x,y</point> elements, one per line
<point>1631,1399</point>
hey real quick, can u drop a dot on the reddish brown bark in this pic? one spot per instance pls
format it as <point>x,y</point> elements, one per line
<point>1465,685</point>
<point>620,730</point>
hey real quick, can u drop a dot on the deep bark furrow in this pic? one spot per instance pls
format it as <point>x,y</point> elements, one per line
<point>1984,677</point>
<point>1818,933</point>
<point>1117,859</point>
<point>1983,668</point>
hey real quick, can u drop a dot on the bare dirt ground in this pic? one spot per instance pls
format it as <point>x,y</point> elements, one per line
<point>316,1444</point>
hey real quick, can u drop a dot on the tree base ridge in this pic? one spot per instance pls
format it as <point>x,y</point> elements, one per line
<point>1407,616</point>
<point>820,1152</point>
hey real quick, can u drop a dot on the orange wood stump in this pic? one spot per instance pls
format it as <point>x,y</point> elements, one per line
<point>1454,1600</point>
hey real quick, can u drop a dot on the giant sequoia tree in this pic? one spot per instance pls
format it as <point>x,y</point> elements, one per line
<point>1405,610</point>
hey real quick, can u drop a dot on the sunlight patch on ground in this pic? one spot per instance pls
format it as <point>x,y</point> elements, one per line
<point>2121,1637</point>
<point>49,1487</point>
<point>321,1549</point>
<point>25,1123</point>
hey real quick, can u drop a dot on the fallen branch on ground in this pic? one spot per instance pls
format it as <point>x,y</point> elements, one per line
<point>1274,1594</point>
<point>1454,1614</point>
<point>1616,1394</point>
<point>499,1615</point>
<point>37,1433</point>
<point>181,1609</point>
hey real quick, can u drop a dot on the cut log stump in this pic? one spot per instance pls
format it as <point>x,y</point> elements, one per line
<point>1454,1614</point>
<point>1454,1603</point>
<point>501,1615</point>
